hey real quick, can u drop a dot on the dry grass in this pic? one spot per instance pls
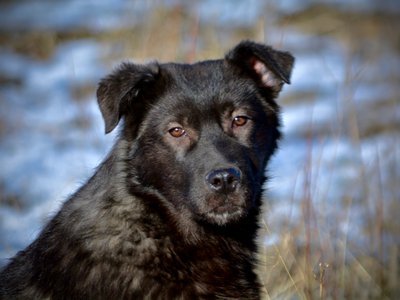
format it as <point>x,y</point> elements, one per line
<point>315,257</point>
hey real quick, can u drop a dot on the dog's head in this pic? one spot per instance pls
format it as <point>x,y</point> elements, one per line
<point>202,134</point>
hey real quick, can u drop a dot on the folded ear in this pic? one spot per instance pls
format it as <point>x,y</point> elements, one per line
<point>116,91</point>
<point>270,67</point>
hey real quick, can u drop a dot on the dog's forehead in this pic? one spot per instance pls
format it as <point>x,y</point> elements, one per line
<point>200,76</point>
<point>205,84</point>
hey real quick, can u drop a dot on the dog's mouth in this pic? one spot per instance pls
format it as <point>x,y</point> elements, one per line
<point>225,214</point>
<point>222,209</point>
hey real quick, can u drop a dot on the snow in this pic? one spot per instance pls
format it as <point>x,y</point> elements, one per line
<point>48,159</point>
<point>47,14</point>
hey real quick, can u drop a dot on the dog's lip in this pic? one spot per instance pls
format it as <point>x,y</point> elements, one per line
<point>225,213</point>
<point>226,209</point>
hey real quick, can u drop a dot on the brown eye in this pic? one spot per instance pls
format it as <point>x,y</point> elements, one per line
<point>177,132</point>
<point>239,121</point>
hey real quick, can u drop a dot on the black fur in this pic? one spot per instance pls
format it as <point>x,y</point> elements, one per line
<point>172,212</point>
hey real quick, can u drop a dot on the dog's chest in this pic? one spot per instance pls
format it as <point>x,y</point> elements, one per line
<point>164,270</point>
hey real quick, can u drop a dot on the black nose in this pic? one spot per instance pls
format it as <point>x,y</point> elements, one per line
<point>224,180</point>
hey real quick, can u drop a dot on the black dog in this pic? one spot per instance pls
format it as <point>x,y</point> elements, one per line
<point>172,212</point>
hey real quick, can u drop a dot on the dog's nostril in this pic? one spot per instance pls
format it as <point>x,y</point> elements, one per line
<point>217,182</point>
<point>224,180</point>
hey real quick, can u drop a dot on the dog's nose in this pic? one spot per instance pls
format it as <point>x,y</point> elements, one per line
<point>224,180</point>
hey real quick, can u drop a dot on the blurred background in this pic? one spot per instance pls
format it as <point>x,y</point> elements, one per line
<point>331,228</point>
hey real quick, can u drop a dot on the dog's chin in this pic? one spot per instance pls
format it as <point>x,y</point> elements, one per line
<point>224,215</point>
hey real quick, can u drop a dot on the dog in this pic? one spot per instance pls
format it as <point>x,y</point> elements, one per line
<point>173,210</point>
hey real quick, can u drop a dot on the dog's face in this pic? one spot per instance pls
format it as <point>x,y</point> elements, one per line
<point>203,133</point>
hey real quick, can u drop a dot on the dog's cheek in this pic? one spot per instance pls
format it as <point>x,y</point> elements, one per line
<point>179,146</point>
<point>157,167</point>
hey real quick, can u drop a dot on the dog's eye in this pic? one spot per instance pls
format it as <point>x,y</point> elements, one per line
<point>177,132</point>
<point>239,121</point>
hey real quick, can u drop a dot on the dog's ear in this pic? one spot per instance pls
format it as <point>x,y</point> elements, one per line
<point>119,89</point>
<point>271,68</point>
